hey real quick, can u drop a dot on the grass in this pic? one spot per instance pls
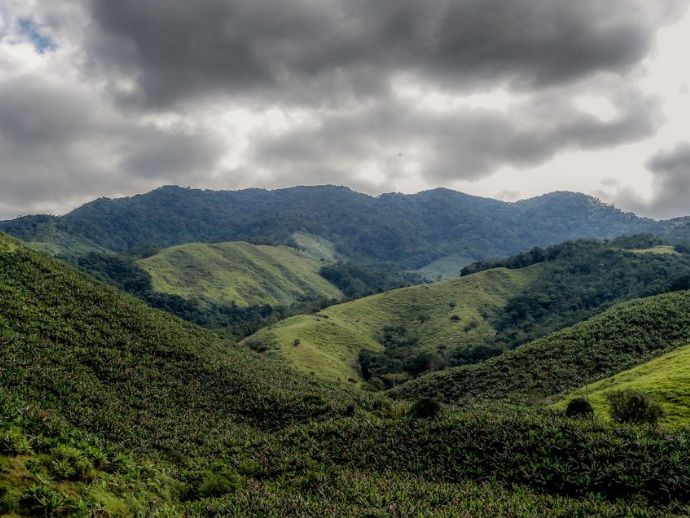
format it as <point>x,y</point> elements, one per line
<point>659,250</point>
<point>240,273</point>
<point>448,267</point>
<point>316,247</point>
<point>666,379</point>
<point>442,315</point>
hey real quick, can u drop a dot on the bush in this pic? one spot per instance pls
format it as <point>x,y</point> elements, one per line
<point>43,501</point>
<point>633,406</point>
<point>579,407</point>
<point>14,442</point>
<point>66,463</point>
<point>218,482</point>
<point>425,408</point>
<point>8,500</point>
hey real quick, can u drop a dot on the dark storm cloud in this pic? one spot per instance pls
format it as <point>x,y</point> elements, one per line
<point>312,51</point>
<point>671,181</point>
<point>453,144</point>
<point>56,142</point>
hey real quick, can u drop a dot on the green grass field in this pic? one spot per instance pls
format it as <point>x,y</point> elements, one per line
<point>316,247</point>
<point>448,267</point>
<point>239,272</point>
<point>661,250</point>
<point>442,315</point>
<point>666,379</point>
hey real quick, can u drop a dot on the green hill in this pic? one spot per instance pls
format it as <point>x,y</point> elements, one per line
<point>392,337</point>
<point>110,408</point>
<point>428,319</point>
<point>666,379</point>
<point>622,337</point>
<point>239,273</point>
<point>76,348</point>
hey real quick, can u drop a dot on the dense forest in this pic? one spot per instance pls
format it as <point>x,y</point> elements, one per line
<point>410,230</point>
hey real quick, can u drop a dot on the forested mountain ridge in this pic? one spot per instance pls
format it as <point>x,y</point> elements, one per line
<point>410,230</point>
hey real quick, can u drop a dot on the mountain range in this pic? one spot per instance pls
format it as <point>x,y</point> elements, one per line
<point>412,230</point>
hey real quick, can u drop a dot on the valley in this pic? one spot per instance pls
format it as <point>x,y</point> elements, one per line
<point>296,375</point>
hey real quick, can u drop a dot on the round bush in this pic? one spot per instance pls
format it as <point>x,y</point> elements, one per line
<point>633,406</point>
<point>579,407</point>
<point>425,408</point>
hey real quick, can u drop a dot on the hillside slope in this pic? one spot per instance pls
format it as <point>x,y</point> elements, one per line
<point>110,408</point>
<point>666,379</point>
<point>409,230</point>
<point>622,337</point>
<point>432,318</point>
<point>239,273</point>
<point>78,350</point>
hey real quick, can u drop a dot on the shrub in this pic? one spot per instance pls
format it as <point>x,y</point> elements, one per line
<point>218,482</point>
<point>14,442</point>
<point>8,500</point>
<point>579,407</point>
<point>425,408</point>
<point>633,406</point>
<point>43,501</point>
<point>66,463</point>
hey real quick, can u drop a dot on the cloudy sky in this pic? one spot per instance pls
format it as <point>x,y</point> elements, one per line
<point>500,98</point>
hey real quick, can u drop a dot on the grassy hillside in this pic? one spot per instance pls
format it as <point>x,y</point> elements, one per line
<point>434,318</point>
<point>666,379</point>
<point>240,273</point>
<point>110,408</point>
<point>74,347</point>
<point>622,337</point>
<point>449,267</point>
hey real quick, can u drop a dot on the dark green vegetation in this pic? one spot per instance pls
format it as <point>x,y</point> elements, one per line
<point>578,279</point>
<point>76,348</point>
<point>410,230</point>
<point>579,407</point>
<point>633,406</point>
<point>356,281</point>
<point>622,337</point>
<point>110,408</point>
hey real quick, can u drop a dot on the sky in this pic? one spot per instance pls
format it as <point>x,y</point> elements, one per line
<point>500,98</point>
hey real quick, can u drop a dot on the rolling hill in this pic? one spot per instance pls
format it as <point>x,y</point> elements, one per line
<point>110,408</point>
<point>429,318</point>
<point>388,338</point>
<point>665,378</point>
<point>622,337</point>
<point>409,230</point>
<point>74,347</point>
<point>239,273</point>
